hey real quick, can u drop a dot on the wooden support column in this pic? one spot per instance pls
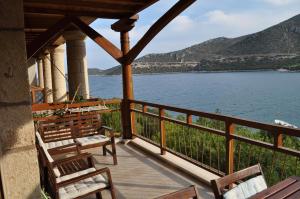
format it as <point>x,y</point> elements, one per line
<point>127,117</point>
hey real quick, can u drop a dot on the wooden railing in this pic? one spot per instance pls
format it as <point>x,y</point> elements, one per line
<point>221,144</point>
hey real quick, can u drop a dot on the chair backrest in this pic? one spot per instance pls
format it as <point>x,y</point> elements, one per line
<point>185,193</point>
<point>222,185</point>
<point>68,127</point>
<point>87,124</point>
<point>52,130</point>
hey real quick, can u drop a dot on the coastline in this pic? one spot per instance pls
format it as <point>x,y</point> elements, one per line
<point>219,71</point>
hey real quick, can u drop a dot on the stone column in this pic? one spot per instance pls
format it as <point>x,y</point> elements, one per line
<point>48,95</point>
<point>18,157</point>
<point>32,72</point>
<point>58,74</point>
<point>77,64</point>
<point>40,72</point>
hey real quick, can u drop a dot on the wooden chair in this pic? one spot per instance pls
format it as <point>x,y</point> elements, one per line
<point>186,193</point>
<point>77,177</point>
<point>222,185</point>
<point>90,133</point>
<point>85,131</point>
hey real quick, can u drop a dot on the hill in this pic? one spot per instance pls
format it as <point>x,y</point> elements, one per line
<point>273,48</point>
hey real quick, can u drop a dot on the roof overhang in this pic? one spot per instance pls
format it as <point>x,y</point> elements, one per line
<point>40,15</point>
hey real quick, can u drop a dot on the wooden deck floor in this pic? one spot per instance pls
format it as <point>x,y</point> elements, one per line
<point>139,175</point>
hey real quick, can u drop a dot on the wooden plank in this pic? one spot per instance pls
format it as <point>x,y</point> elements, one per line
<point>295,195</point>
<point>44,39</point>
<point>156,28</point>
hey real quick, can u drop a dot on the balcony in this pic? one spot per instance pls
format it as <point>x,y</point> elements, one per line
<point>173,148</point>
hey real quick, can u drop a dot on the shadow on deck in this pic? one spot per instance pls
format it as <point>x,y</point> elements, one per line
<point>139,175</point>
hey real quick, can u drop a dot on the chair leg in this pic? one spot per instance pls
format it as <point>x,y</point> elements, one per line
<point>104,150</point>
<point>113,194</point>
<point>98,195</point>
<point>114,153</point>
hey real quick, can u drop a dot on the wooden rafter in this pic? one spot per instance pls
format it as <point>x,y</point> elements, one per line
<point>156,28</point>
<point>45,38</point>
<point>110,48</point>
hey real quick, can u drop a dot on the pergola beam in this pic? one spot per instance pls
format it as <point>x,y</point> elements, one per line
<point>45,38</point>
<point>156,28</point>
<point>109,47</point>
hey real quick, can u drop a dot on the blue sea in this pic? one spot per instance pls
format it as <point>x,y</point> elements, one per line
<point>259,96</point>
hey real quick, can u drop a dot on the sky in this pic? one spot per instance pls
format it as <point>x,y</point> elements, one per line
<point>203,20</point>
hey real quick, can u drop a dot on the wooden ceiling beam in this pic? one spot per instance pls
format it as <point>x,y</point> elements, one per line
<point>108,5</point>
<point>61,7</point>
<point>109,47</point>
<point>94,2</point>
<point>78,13</point>
<point>164,20</point>
<point>45,38</point>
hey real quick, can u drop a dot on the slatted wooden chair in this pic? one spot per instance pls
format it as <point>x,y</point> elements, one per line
<point>85,131</point>
<point>186,193</point>
<point>90,133</point>
<point>77,177</point>
<point>241,184</point>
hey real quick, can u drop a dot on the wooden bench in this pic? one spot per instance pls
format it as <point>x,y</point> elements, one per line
<point>223,185</point>
<point>85,131</point>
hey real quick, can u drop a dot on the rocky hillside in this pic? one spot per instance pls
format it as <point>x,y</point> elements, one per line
<point>273,48</point>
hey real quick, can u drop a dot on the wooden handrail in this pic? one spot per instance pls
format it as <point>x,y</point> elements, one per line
<point>230,122</point>
<point>272,128</point>
<point>54,106</point>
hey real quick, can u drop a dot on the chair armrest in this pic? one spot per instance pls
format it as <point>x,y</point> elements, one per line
<point>71,159</point>
<point>109,129</point>
<point>82,177</point>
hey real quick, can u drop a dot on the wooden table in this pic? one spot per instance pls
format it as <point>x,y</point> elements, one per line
<point>287,189</point>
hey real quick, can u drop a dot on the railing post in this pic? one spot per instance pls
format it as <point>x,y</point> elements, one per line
<point>162,132</point>
<point>277,140</point>
<point>229,147</point>
<point>145,108</point>
<point>189,119</point>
